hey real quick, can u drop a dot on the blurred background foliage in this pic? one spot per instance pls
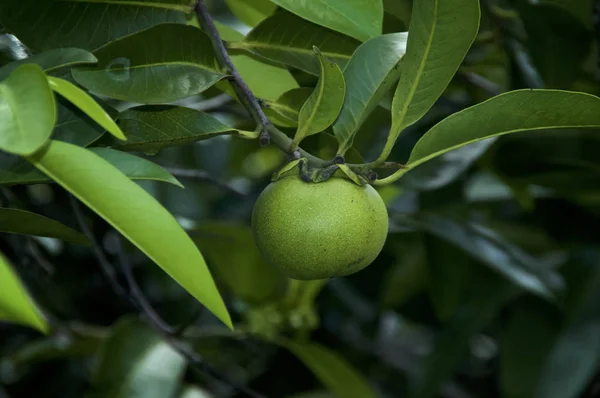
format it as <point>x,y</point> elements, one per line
<point>488,286</point>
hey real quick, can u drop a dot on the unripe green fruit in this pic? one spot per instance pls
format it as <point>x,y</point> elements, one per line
<point>318,230</point>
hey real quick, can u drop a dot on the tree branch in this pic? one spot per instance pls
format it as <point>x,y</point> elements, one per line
<point>268,131</point>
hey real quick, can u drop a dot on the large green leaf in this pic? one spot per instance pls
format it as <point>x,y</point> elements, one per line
<point>134,213</point>
<point>441,33</point>
<point>16,170</point>
<point>324,104</point>
<point>134,362</point>
<point>179,63</point>
<point>286,38</point>
<point>367,82</point>
<point>15,303</point>
<point>361,19</point>
<point>243,270</point>
<point>17,221</point>
<point>27,110</point>
<point>86,104</point>
<point>251,12</point>
<point>85,24</point>
<point>150,129</point>
<point>507,113</point>
<point>52,60</point>
<point>329,367</point>
<point>288,105</point>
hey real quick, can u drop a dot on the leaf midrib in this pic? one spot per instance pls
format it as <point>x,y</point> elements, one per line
<point>300,50</point>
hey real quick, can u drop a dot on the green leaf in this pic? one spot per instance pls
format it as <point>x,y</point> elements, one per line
<point>180,63</point>
<point>135,214</point>
<point>84,102</point>
<point>52,60</point>
<point>16,221</point>
<point>75,23</point>
<point>581,9</point>
<point>27,110</point>
<point>367,82</point>
<point>286,38</point>
<point>512,112</point>
<point>288,105</point>
<point>74,127</point>
<point>324,104</point>
<point>361,19</point>
<point>134,362</point>
<point>15,304</point>
<point>441,33</point>
<point>16,170</point>
<point>331,369</point>
<point>251,12</point>
<point>243,270</point>
<point>150,128</point>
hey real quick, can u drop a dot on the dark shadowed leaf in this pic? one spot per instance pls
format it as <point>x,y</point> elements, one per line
<point>180,63</point>
<point>134,213</point>
<point>251,12</point>
<point>135,362</point>
<point>286,38</point>
<point>243,270</point>
<point>150,129</point>
<point>27,110</point>
<point>361,19</point>
<point>15,304</point>
<point>15,170</point>
<point>323,106</point>
<point>331,369</point>
<point>23,222</point>
<point>367,82</point>
<point>52,60</point>
<point>441,33</point>
<point>87,25</point>
<point>75,127</point>
<point>580,9</point>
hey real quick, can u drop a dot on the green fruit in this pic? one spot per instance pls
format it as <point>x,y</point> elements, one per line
<point>318,230</point>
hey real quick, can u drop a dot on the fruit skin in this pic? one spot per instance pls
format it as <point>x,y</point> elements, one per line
<point>319,230</point>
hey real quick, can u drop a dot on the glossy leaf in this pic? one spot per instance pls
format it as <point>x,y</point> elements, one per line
<point>135,362</point>
<point>331,369</point>
<point>16,170</point>
<point>512,112</point>
<point>52,59</point>
<point>135,214</point>
<point>251,12</point>
<point>74,23</point>
<point>23,222</point>
<point>85,103</point>
<point>441,33</point>
<point>492,250</point>
<point>243,270</point>
<point>361,19</point>
<point>286,38</point>
<point>150,129</point>
<point>27,110</point>
<point>180,63</point>
<point>367,82</point>
<point>15,304</point>
<point>324,104</point>
<point>288,105</point>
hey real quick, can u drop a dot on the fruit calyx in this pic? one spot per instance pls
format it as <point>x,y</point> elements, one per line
<point>340,169</point>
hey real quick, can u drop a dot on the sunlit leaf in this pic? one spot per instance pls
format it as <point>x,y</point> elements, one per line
<point>86,104</point>
<point>180,63</point>
<point>52,59</point>
<point>251,12</point>
<point>367,82</point>
<point>286,38</point>
<point>135,362</point>
<point>331,369</point>
<point>15,304</point>
<point>324,104</point>
<point>441,33</point>
<point>17,221</point>
<point>134,213</point>
<point>361,19</point>
<point>27,110</point>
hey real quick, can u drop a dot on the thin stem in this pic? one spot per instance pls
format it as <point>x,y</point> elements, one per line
<point>268,131</point>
